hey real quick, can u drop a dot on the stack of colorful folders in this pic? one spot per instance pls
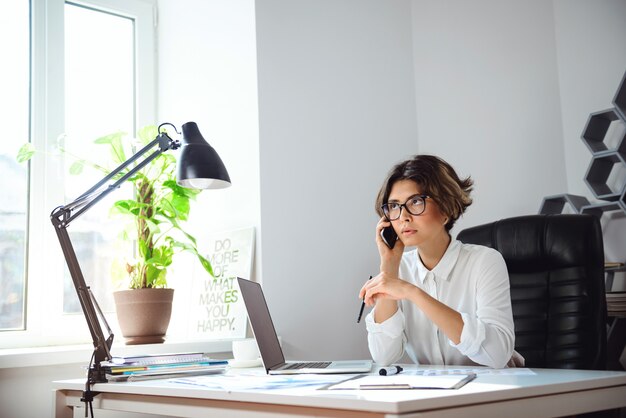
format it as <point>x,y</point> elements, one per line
<point>160,366</point>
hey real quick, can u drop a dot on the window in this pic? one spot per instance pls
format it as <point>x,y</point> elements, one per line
<point>15,85</point>
<point>99,99</point>
<point>91,73</point>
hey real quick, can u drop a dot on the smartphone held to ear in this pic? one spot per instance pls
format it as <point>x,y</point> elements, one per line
<point>389,236</point>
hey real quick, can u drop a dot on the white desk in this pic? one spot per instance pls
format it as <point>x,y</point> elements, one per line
<point>548,393</point>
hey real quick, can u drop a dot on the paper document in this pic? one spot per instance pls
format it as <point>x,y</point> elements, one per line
<point>513,371</point>
<point>238,382</point>
<point>404,381</point>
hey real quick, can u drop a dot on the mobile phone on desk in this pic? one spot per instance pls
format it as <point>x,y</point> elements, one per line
<point>389,236</point>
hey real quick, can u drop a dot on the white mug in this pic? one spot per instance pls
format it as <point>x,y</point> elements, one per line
<point>245,350</point>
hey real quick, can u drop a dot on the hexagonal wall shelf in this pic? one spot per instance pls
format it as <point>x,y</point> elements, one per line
<point>560,204</point>
<point>599,173</point>
<point>622,201</point>
<point>619,101</point>
<point>604,131</point>
<point>598,209</point>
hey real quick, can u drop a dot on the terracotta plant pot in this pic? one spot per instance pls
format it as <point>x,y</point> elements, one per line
<point>144,314</point>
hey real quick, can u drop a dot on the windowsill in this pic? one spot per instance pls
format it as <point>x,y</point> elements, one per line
<point>71,354</point>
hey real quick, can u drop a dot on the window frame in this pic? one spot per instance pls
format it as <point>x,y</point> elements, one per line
<point>47,106</point>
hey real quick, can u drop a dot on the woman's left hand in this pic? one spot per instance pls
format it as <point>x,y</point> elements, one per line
<point>385,286</point>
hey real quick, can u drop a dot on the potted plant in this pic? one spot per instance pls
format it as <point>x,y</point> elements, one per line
<point>156,210</point>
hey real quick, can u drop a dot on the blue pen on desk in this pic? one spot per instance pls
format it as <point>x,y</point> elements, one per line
<point>362,306</point>
<point>388,371</point>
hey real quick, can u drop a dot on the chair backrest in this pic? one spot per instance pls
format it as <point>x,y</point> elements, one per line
<point>556,270</point>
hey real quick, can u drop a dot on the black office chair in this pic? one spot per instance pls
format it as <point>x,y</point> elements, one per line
<point>556,270</point>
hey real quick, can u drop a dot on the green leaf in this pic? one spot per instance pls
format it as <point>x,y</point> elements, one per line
<point>147,134</point>
<point>180,190</point>
<point>181,206</point>
<point>108,139</point>
<point>206,264</point>
<point>115,142</point>
<point>189,237</point>
<point>177,226</point>
<point>124,207</point>
<point>152,225</point>
<point>117,149</point>
<point>144,250</point>
<point>25,152</point>
<point>77,167</point>
<point>153,278</point>
<point>168,160</point>
<point>161,279</point>
<point>161,256</point>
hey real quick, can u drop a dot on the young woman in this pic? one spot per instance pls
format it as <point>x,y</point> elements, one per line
<point>443,302</point>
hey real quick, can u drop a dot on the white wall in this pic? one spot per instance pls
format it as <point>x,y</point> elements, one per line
<point>488,100</point>
<point>336,110</point>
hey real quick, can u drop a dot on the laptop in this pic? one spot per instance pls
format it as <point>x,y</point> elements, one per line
<point>269,347</point>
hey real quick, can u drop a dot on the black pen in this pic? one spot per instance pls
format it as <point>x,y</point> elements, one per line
<point>388,371</point>
<point>362,307</point>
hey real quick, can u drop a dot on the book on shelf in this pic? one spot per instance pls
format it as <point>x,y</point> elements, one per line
<point>613,264</point>
<point>616,295</point>
<point>616,301</point>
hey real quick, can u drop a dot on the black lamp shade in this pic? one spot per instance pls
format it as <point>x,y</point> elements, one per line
<point>199,165</point>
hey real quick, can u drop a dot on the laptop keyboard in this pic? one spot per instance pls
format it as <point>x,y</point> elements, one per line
<point>307,365</point>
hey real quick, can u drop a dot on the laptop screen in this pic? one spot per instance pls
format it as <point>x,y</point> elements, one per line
<point>262,324</point>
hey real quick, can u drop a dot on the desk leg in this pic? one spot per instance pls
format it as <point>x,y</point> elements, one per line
<point>61,408</point>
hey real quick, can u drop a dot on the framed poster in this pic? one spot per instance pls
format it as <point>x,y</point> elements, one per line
<point>217,310</point>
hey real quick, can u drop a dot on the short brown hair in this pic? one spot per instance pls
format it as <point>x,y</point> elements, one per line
<point>437,179</point>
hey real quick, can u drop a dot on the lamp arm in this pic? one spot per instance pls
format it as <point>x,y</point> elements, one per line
<point>62,216</point>
<point>101,346</point>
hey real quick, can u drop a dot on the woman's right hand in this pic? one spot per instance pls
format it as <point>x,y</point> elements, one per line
<point>389,257</point>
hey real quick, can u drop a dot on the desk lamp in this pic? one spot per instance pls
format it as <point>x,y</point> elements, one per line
<point>199,166</point>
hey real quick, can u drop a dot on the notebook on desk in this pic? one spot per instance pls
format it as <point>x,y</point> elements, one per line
<point>269,347</point>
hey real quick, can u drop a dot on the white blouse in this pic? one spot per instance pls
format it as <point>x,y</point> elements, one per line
<point>470,279</point>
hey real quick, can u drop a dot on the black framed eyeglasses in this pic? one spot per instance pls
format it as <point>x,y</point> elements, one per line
<point>415,205</point>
